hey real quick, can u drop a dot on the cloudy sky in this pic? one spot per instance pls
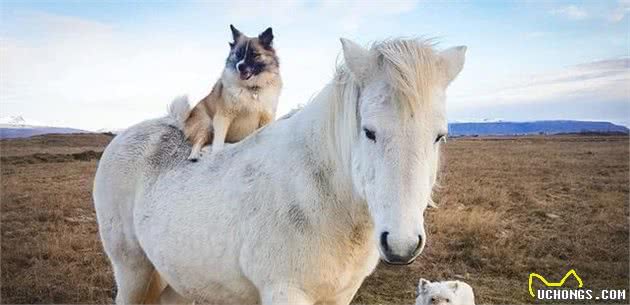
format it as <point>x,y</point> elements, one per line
<point>109,64</point>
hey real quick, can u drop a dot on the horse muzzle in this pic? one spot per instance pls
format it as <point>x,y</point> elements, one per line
<point>397,252</point>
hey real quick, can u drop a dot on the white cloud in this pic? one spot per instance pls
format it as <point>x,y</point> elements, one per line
<point>536,34</point>
<point>591,91</point>
<point>352,14</point>
<point>613,12</point>
<point>572,12</point>
<point>348,15</point>
<point>604,80</point>
<point>620,11</point>
<point>90,75</point>
<point>86,74</point>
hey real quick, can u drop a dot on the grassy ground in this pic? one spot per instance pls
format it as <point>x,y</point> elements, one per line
<point>508,207</point>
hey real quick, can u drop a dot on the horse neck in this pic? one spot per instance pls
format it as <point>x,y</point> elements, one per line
<point>312,127</point>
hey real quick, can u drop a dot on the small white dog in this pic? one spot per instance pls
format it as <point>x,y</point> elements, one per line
<point>444,293</point>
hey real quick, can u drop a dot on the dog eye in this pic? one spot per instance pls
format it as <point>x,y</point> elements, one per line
<point>370,134</point>
<point>440,137</point>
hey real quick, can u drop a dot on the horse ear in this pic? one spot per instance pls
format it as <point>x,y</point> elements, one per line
<point>357,58</point>
<point>266,37</point>
<point>453,60</point>
<point>235,33</point>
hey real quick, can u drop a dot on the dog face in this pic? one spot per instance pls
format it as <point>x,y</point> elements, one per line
<point>436,293</point>
<point>251,56</point>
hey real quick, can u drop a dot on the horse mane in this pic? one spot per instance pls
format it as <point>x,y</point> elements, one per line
<point>410,67</point>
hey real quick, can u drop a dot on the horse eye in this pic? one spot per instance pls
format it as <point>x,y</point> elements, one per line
<point>370,134</point>
<point>440,137</point>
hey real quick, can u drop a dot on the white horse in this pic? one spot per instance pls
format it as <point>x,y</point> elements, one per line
<point>298,212</point>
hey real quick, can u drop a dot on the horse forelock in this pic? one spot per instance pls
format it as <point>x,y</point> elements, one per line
<point>410,67</point>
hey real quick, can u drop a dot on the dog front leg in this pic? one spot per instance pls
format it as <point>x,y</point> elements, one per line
<point>220,124</point>
<point>195,153</point>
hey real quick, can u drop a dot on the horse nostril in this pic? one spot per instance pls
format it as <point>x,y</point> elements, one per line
<point>384,244</point>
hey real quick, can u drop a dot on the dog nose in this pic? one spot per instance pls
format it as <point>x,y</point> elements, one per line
<point>240,66</point>
<point>406,257</point>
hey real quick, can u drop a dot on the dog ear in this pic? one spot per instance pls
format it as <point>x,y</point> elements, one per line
<point>236,34</point>
<point>453,286</point>
<point>422,286</point>
<point>266,37</point>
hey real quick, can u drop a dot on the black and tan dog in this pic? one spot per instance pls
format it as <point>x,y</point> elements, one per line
<point>244,99</point>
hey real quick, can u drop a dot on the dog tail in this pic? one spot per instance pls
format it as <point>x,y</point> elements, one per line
<point>178,111</point>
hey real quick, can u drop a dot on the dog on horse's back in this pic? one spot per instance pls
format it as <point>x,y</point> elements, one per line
<point>243,100</point>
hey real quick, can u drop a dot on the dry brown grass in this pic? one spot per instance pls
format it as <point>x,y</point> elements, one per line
<point>496,222</point>
<point>54,144</point>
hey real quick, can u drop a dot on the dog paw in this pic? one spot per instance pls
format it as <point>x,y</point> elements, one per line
<point>194,157</point>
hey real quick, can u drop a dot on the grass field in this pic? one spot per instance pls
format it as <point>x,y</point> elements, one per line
<point>507,207</point>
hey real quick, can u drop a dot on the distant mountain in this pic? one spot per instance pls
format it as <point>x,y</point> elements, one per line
<point>18,121</point>
<point>501,128</point>
<point>110,130</point>
<point>10,133</point>
<point>18,127</point>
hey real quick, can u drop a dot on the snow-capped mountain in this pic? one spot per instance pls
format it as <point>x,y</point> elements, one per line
<point>18,121</point>
<point>110,130</point>
<point>16,126</point>
<point>492,120</point>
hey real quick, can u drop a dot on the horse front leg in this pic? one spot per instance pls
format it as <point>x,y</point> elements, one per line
<point>170,296</point>
<point>284,294</point>
<point>345,296</point>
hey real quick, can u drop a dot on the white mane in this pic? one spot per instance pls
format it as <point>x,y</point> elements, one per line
<point>410,67</point>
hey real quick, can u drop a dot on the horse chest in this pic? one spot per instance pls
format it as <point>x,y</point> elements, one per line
<point>358,267</point>
<point>346,267</point>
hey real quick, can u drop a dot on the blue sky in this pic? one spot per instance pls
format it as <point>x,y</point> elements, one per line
<point>92,64</point>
